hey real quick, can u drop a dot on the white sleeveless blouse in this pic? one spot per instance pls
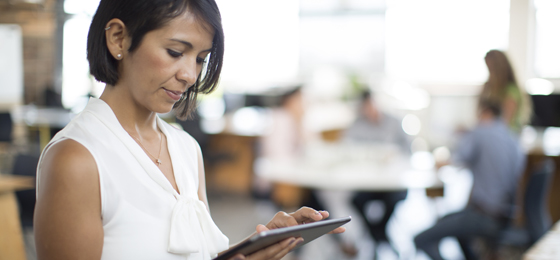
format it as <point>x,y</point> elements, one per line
<point>143,216</point>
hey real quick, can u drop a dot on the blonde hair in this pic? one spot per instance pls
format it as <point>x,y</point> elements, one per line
<point>501,76</point>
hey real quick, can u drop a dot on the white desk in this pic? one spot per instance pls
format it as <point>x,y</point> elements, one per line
<point>351,168</point>
<point>546,248</point>
<point>42,118</point>
<point>34,116</point>
<point>336,171</point>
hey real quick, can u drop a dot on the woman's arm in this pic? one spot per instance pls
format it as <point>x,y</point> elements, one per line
<point>67,221</point>
<point>509,109</point>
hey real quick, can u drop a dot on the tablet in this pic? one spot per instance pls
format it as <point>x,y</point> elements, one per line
<point>308,232</point>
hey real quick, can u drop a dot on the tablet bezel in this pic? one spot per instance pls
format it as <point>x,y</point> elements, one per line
<point>308,231</point>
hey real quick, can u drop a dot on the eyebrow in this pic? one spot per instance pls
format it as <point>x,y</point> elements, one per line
<point>188,44</point>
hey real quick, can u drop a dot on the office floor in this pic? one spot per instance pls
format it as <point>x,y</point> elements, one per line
<point>237,217</point>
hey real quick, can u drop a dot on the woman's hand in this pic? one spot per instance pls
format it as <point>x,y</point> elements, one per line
<point>273,252</point>
<point>283,219</point>
<point>301,216</point>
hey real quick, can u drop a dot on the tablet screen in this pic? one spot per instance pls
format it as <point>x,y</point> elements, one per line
<point>308,232</point>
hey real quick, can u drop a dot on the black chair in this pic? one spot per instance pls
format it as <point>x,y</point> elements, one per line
<point>6,127</point>
<point>537,217</point>
<point>26,165</point>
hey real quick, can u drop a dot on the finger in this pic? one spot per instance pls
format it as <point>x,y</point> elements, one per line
<point>338,230</point>
<point>287,250</point>
<point>274,251</point>
<point>260,228</point>
<point>324,213</point>
<point>238,257</point>
<point>282,219</point>
<point>306,214</point>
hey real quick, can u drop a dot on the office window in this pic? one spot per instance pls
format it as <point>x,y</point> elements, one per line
<point>547,39</point>
<point>261,47</point>
<point>442,41</point>
<point>77,83</point>
<point>354,43</point>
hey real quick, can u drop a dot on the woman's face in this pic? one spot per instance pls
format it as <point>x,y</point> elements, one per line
<point>167,62</point>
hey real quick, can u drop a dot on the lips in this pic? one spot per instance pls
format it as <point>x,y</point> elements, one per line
<point>175,95</point>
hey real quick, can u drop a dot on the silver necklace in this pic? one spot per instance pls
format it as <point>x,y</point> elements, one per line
<point>157,161</point>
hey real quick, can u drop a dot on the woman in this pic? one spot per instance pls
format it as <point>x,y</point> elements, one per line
<point>503,88</point>
<point>118,182</point>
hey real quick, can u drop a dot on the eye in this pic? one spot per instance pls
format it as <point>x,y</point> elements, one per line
<point>174,54</point>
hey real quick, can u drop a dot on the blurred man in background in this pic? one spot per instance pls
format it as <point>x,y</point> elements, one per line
<point>496,161</point>
<point>374,127</point>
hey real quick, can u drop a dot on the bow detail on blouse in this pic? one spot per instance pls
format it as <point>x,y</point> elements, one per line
<point>192,229</point>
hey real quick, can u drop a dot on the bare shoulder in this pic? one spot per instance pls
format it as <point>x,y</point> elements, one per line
<point>68,162</point>
<point>68,221</point>
<point>68,169</point>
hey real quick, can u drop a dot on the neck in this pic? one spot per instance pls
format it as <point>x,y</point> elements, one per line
<point>134,118</point>
<point>486,118</point>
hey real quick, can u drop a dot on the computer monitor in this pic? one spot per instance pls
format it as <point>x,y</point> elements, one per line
<point>546,110</point>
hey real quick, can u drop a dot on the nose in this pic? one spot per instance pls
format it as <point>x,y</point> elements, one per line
<point>188,72</point>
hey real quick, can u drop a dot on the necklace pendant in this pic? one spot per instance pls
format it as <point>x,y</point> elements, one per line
<point>158,161</point>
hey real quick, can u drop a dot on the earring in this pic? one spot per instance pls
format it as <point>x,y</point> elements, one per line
<point>119,56</point>
<point>108,27</point>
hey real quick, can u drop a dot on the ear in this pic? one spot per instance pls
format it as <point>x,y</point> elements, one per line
<point>115,35</point>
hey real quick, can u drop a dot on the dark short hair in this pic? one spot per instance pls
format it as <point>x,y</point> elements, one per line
<point>490,105</point>
<point>365,96</point>
<point>289,93</point>
<point>143,16</point>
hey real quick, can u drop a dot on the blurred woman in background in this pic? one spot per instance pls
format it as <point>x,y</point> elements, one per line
<point>502,87</point>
